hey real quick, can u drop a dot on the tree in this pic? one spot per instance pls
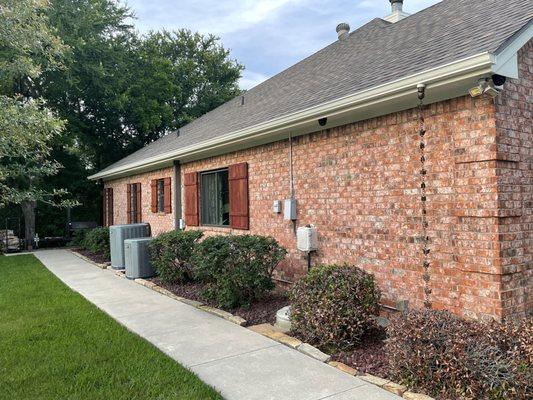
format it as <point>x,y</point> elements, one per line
<point>27,127</point>
<point>27,46</point>
<point>120,91</point>
<point>176,77</point>
<point>26,130</point>
<point>116,90</point>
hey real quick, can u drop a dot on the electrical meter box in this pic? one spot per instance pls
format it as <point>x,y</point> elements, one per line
<point>307,238</point>
<point>289,210</point>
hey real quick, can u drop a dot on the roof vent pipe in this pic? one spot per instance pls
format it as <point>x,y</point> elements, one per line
<point>343,30</point>
<point>397,12</point>
<point>397,5</point>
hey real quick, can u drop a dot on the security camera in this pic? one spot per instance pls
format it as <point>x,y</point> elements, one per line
<point>322,121</point>
<point>498,80</point>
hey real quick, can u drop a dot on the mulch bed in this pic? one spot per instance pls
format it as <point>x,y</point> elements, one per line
<point>96,257</point>
<point>369,356</point>
<point>260,312</point>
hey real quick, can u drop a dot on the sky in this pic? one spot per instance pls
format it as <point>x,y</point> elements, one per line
<point>266,36</point>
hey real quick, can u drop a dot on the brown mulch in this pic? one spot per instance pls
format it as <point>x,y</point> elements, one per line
<point>260,312</point>
<point>96,257</point>
<point>369,356</point>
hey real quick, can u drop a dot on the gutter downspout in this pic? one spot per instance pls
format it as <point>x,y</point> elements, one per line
<point>176,189</point>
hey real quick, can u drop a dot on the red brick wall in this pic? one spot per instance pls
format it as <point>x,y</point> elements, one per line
<point>514,123</point>
<point>159,222</point>
<point>359,185</point>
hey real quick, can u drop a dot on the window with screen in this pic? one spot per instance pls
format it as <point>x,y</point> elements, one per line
<point>160,195</point>
<point>134,203</point>
<point>214,198</point>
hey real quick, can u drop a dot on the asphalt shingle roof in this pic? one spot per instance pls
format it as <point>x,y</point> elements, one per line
<point>377,53</point>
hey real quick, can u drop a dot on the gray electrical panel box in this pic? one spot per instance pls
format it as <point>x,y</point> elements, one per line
<point>137,258</point>
<point>289,210</point>
<point>117,235</point>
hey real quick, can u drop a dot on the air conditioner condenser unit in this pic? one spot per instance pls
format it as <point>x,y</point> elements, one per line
<point>137,257</point>
<point>118,234</point>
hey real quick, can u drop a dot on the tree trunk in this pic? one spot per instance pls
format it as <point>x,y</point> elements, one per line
<point>28,210</point>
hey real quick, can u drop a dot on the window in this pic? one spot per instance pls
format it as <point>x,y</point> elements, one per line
<point>134,210</point>
<point>217,198</point>
<point>161,199</point>
<point>214,198</point>
<point>108,206</point>
<point>160,195</point>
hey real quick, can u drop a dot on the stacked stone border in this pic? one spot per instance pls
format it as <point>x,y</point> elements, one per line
<point>101,266</point>
<point>275,334</point>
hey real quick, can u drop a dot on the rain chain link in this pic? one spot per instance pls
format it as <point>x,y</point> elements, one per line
<point>423,196</point>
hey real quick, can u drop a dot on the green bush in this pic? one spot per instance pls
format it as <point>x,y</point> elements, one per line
<point>170,255</point>
<point>452,358</point>
<point>97,241</point>
<point>237,269</point>
<point>78,237</point>
<point>334,306</point>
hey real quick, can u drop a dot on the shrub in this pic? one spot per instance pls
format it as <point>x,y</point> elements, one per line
<point>97,241</point>
<point>78,237</point>
<point>170,255</point>
<point>448,357</point>
<point>334,306</point>
<point>237,269</point>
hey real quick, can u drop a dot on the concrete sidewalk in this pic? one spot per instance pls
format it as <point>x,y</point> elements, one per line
<point>241,364</point>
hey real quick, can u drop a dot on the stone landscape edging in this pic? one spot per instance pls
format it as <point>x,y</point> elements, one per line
<point>79,255</point>
<point>277,335</point>
<point>197,304</point>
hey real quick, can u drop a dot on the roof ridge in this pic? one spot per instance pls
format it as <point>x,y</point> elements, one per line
<point>376,53</point>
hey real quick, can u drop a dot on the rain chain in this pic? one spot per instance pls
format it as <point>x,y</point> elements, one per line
<point>423,196</point>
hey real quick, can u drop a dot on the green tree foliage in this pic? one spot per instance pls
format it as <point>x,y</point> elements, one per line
<point>27,127</point>
<point>116,90</point>
<point>178,77</point>
<point>119,90</point>
<point>26,130</point>
<point>27,45</point>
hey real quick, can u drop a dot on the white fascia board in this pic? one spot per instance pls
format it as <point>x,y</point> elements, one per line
<point>506,58</point>
<point>472,66</point>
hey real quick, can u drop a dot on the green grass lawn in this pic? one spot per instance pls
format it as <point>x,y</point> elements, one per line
<point>56,345</point>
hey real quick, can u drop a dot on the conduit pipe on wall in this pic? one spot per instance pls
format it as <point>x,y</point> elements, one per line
<point>291,202</point>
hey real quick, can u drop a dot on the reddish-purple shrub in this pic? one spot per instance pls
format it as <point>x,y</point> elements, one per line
<point>452,358</point>
<point>333,306</point>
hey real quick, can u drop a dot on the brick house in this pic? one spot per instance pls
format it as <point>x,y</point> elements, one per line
<point>339,134</point>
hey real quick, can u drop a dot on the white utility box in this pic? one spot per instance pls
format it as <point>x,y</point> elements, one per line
<point>307,238</point>
<point>289,210</point>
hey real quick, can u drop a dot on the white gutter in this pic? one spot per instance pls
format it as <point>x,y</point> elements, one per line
<point>479,64</point>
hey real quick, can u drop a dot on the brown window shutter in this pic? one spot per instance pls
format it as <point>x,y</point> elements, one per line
<point>191,199</point>
<point>167,195</point>
<point>153,185</point>
<point>110,218</point>
<point>128,204</point>
<point>104,209</point>
<point>238,196</point>
<point>139,204</point>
